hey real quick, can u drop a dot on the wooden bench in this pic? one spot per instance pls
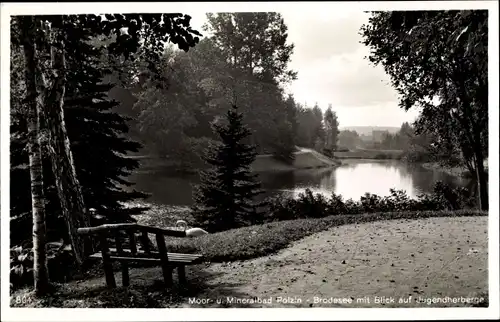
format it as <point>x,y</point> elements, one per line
<point>124,239</point>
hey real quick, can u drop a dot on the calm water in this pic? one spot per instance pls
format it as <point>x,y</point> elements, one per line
<point>352,180</point>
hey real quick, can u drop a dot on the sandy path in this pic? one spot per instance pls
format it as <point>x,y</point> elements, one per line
<point>430,258</point>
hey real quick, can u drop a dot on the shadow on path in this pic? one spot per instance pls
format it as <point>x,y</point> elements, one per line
<point>147,290</point>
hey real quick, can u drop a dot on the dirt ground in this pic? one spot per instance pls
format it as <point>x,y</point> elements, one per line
<point>424,259</point>
<point>377,264</point>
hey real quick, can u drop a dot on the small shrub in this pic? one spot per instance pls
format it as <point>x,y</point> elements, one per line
<point>282,208</point>
<point>21,267</point>
<point>310,205</point>
<point>336,205</point>
<point>60,262</point>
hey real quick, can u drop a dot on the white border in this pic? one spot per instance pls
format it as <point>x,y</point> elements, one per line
<point>309,7</point>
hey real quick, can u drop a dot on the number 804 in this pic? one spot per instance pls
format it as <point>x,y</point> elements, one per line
<point>23,299</point>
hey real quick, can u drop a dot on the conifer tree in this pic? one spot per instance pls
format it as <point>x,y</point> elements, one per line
<point>225,198</point>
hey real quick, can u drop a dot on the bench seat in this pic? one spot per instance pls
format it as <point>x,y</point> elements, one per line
<point>179,258</point>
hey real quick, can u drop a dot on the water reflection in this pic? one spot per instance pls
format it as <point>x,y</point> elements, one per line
<point>351,180</point>
<point>375,178</point>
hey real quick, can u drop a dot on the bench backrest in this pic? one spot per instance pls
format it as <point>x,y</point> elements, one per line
<point>124,238</point>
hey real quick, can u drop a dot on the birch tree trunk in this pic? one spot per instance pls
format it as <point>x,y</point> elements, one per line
<point>40,271</point>
<point>68,186</point>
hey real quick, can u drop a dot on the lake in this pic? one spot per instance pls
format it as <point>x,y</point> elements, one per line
<point>351,180</point>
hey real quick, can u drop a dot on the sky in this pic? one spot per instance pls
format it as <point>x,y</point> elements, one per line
<point>332,69</point>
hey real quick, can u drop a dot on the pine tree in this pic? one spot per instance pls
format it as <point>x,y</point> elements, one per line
<point>99,146</point>
<point>225,197</point>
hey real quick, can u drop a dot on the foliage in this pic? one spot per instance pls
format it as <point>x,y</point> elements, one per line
<point>224,199</point>
<point>308,205</point>
<point>310,130</point>
<point>92,126</point>
<point>49,41</point>
<point>283,145</point>
<point>86,106</point>
<point>59,257</point>
<point>21,266</point>
<point>331,124</point>
<point>348,139</point>
<point>254,45</point>
<point>254,42</point>
<point>201,84</point>
<point>437,60</point>
<point>199,87</point>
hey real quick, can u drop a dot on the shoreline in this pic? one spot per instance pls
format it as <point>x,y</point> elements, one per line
<point>369,154</point>
<point>304,159</point>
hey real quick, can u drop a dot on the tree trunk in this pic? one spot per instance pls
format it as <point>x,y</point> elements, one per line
<point>40,270</point>
<point>68,186</point>
<point>473,135</point>
<point>482,181</point>
<point>468,161</point>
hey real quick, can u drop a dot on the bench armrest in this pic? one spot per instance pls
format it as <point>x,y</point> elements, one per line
<point>126,226</point>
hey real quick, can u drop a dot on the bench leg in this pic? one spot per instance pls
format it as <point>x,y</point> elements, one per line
<point>181,271</point>
<point>125,276</point>
<point>167,275</point>
<point>106,263</point>
<point>110,276</point>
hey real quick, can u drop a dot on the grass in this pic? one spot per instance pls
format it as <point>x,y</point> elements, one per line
<point>303,160</point>
<point>140,295</point>
<point>261,240</point>
<point>161,215</point>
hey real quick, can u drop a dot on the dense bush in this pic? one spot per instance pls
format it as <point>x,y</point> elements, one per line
<point>308,205</point>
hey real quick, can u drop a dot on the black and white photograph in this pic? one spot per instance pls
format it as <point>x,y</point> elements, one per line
<point>291,156</point>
